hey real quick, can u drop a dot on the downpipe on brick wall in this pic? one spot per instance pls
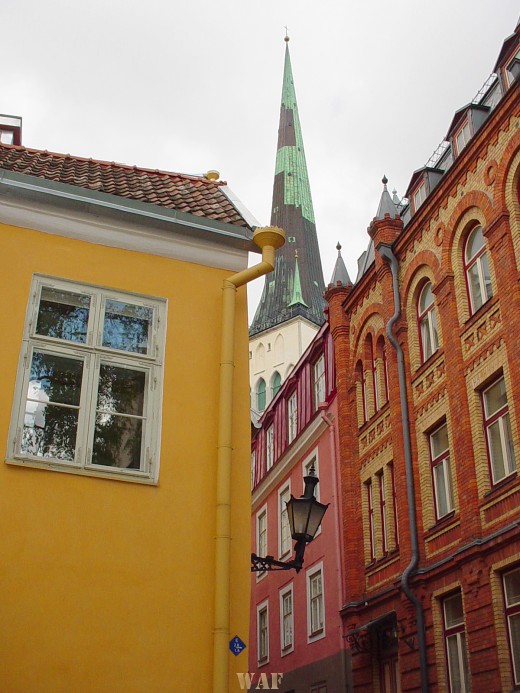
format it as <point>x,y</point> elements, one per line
<point>388,256</point>
<point>269,239</point>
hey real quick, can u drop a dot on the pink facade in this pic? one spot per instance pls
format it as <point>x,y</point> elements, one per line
<point>295,621</point>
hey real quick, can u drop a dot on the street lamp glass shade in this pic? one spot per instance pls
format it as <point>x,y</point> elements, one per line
<point>305,516</point>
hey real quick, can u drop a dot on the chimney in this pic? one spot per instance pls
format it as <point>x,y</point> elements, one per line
<point>10,129</point>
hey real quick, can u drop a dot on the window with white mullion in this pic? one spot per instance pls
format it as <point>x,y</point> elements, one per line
<point>88,390</point>
<point>286,621</point>
<point>315,603</point>
<point>476,265</point>
<point>382,510</point>
<point>511,581</point>
<point>371,532</point>
<point>455,644</point>
<point>441,471</point>
<point>285,539</point>
<point>499,436</point>
<point>292,417</point>
<point>427,318</point>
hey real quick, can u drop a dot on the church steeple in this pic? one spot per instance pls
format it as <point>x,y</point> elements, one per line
<point>292,210</point>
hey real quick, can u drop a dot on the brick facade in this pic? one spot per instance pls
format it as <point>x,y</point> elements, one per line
<point>467,506</point>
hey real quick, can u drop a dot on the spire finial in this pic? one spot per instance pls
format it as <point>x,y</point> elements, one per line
<point>296,253</point>
<point>338,248</point>
<point>286,37</point>
<point>384,180</point>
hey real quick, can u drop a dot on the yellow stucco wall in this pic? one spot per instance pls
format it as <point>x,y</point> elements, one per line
<point>107,585</point>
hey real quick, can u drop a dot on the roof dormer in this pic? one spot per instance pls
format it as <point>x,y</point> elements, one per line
<point>508,62</point>
<point>466,122</point>
<point>423,182</point>
<point>10,129</point>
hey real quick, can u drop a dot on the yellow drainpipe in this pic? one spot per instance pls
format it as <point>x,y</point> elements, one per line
<point>268,239</point>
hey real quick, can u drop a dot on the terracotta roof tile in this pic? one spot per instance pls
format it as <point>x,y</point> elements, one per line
<point>191,194</point>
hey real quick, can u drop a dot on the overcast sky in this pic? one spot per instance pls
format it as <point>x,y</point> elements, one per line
<point>195,86</point>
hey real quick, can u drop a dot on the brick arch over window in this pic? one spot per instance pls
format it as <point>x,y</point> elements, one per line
<point>361,398</point>
<point>475,205</point>
<point>382,368</point>
<point>369,378</point>
<point>508,174</point>
<point>371,318</point>
<point>471,218</point>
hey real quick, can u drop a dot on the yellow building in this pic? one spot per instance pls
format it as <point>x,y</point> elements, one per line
<point>112,283</point>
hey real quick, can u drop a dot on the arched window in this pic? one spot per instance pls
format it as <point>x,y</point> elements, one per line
<point>375,375</point>
<point>260,395</point>
<point>477,270</point>
<point>276,383</point>
<point>260,358</point>
<point>427,319</point>
<point>382,370</point>
<point>363,391</point>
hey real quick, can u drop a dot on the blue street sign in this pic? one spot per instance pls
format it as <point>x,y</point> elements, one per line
<point>236,645</point>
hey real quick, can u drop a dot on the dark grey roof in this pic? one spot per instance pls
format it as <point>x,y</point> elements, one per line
<point>340,275</point>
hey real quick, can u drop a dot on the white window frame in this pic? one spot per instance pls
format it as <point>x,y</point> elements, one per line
<point>463,136</point>
<point>382,509</point>
<point>456,632</point>
<point>262,633</point>
<point>262,537</point>
<point>269,447</point>
<point>512,613</point>
<point>286,620</point>
<point>292,417</point>
<point>284,529</point>
<point>480,261</point>
<point>501,418</point>
<point>315,604</point>
<point>427,319</point>
<point>312,461</point>
<point>93,355</point>
<point>419,196</point>
<point>318,370</point>
<point>442,462</point>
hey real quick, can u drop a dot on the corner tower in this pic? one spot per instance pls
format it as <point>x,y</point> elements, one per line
<point>291,307</point>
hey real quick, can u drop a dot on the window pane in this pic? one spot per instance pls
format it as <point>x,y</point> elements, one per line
<point>63,315</point>
<point>475,243</point>
<point>497,453</point>
<point>474,286</point>
<point>426,297</point>
<point>495,397</point>
<point>425,338</point>
<point>454,614</point>
<point>488,290</point>
<point>514,626</point>
<point>121,390</point>
<point>512,587</point>
<point>127,327</point>
<point>52,407</point>
<point>439,441</point>
<point>441,491</point>
<point>117,441</point>
<point>455,665</point>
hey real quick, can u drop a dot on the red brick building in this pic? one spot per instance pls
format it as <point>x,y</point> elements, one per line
<point>428,393</point>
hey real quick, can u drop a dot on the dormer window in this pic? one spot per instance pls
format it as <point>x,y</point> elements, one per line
<point>6,136</point>
<point>10,129</point>
<point>462,137</point>
<point>511,68</point>
<point>419,196</point>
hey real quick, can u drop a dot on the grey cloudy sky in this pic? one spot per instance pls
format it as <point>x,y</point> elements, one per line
<point>193,86</point>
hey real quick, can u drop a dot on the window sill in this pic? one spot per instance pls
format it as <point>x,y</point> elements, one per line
<point>366,424</point>
<point>428,363</point>
<point>441,523</point>
<point>378,563</point>
<point>504,483</point>
<point>263,662</point>
<point>490,303</point>
<point>129,477</point>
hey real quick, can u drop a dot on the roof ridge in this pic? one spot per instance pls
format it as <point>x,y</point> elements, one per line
<point>114,164</point>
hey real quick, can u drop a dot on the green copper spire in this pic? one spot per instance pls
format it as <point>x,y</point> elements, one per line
<point>290,157</point>
<point>296,287</point>
<point>297,296</point>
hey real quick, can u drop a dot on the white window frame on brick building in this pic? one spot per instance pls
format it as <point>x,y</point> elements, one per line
<point>89,385</point>
<point>511,585</point>
<point>262,633</point>
<point>284,528</point>
<point>269,447</point>
<point>318,370</point>
<point>427,320</point>
<point>441,470</point>
<point>476,268</point>
<point>292,417</point>
<point>455,644</point>
<point>261,537</point>
<point>497,427</point>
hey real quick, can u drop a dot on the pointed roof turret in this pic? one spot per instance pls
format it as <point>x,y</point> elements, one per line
<point>386,204</point>
<point>292,210</point>
<point>340,275</point>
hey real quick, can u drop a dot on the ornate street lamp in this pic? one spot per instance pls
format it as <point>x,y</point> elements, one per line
<point>305,516</point>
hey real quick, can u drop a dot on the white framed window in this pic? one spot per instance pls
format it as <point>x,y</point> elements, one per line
<point>441,471</point>
<point>462,137</point>
<point>427,319</point>
<point>269,447</point>
<point>455,644</point>
<point>371,524</point>
<point>315,603</point>
<point>286,620</point>
<point>262,621</point>
<point>292,417</point>
<point>511,581</point>
<point>261,532</point>
<point>284,534</point>
<point>476,266</point>
<point>419,196</point>
<point>253,468</point>
<point>89,385</point>
<point>497,425</point>
<point>310,467</point>
<point>382,510</point>
<point>319,381</point>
